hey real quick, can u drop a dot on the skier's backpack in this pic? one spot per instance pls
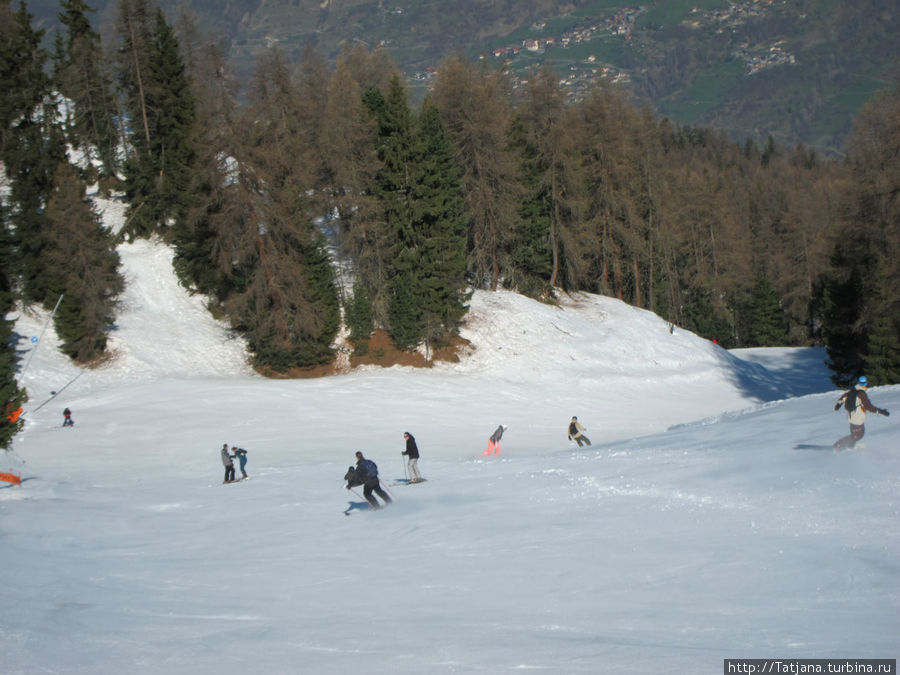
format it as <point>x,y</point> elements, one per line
<point>850,401</point>
<point>369,468</point>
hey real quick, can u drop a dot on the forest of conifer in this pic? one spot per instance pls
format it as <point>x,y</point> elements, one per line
<point>261,190</point>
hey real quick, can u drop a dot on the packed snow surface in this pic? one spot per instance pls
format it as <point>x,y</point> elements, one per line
<point>708,520</point>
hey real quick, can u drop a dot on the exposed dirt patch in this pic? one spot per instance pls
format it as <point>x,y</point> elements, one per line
<point>378,351</point>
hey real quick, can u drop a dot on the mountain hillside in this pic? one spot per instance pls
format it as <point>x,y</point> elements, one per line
<point>796,71</point>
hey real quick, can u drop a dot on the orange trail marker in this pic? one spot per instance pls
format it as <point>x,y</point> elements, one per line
<point>11,478</point>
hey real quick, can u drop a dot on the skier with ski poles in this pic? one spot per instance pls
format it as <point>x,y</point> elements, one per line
<point>857,403</point>
<point>366,474</point>
<point>412,453</point>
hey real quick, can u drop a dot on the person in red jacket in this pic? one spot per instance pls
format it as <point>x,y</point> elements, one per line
<point>857,403</point>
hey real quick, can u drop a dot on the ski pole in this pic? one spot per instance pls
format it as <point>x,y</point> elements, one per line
<point>405,474</point>
<point>384,485</point>
<point>361,497</point>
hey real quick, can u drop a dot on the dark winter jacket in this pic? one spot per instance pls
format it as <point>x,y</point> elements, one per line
<point>411,448</point>
<point>367,470</point>
<point>353,478</point>
<point>497,435</point>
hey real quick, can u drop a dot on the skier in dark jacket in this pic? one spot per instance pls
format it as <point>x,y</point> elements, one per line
<point>228,461</point>
<point>67,418</point>
<point>366,474</point>
<point>857,403</point>
<point>412,452</point>
<point>241,455</point>
<point>494,441</point>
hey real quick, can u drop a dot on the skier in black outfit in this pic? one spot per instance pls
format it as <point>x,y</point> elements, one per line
<point>412,452</point>
<point>366,474</point>
<point>228,461</point>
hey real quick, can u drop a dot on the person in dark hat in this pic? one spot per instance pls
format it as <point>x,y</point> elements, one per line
<point>366,474</point>
<point>412,453</point>
<point>228,461</point>
<point>576,433</point>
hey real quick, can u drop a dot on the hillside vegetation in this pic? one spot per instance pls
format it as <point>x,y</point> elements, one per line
<point>797,71</point>
<point>320,202</point>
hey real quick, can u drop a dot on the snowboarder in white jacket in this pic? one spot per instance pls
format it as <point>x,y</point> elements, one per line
<point>576,432</point>
<point>857,403</point>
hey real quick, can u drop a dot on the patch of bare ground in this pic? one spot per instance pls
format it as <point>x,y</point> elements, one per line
<point>378,350</point>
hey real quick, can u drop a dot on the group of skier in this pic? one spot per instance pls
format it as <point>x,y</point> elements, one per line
<point>856,402</point>
<point>365,472</point>
<point>228,461</point>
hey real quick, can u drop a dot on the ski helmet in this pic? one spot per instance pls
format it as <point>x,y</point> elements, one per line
<point>863,381</point>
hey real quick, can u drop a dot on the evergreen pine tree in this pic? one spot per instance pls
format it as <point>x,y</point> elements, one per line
<point>359,316</point>
<point>846,289</point>
<point>702,318</point>
<point>882,358</point>
<point>11,395</point>
<point>203,239</point>
<point>882,355</point>
<point>32,146</point>
<point>532,259</point>
<point>399,174</point>
<point>419,187</point>
<point>441,214</point>
<point>404,312</point>
<point>83,80</point>
<point>160,102</point>
<point>767,322</point>
<point>83,268</point>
